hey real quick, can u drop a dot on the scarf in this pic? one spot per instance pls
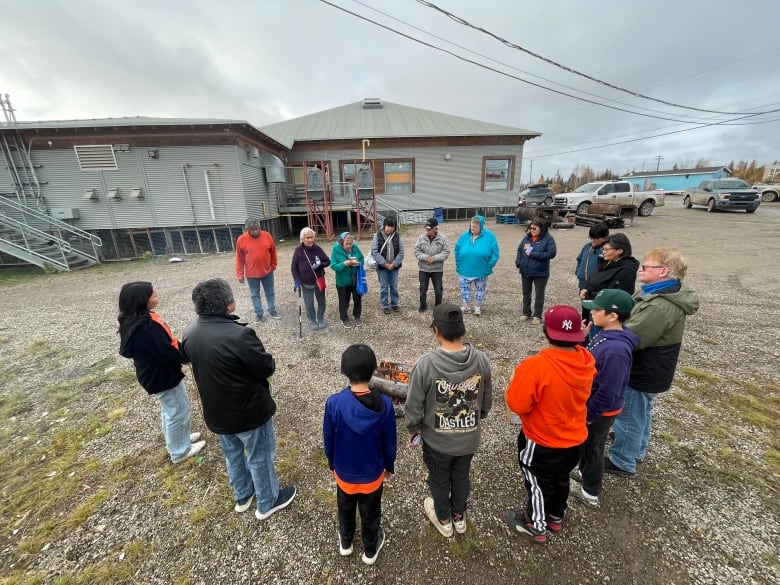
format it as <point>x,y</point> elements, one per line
<point>648,289</point>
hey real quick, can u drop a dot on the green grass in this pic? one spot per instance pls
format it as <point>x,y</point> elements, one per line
<point>14,403</point>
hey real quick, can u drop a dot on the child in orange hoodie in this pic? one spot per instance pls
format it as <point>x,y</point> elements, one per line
<point>549,392</point>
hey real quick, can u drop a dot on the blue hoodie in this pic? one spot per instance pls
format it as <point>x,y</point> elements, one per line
<point>360,443</point>
<point>477,259</point>
<point>613,350</point>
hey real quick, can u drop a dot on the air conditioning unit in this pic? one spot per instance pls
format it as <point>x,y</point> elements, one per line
<point>65,213</point>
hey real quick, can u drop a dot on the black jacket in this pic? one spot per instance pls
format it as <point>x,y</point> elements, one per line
<point>157,363</point>
<point>231,369</point>
<point>620,274</point>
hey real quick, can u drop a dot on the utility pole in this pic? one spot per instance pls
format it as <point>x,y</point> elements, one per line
<point>531,171</point>
<point>658,160</point>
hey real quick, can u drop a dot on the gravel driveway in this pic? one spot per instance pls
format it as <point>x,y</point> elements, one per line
<point>89,497</point>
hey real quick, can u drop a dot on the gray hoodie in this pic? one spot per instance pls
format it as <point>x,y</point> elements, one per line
<point>449,394</point>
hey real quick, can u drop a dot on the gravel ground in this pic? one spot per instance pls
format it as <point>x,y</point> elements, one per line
<point>703,508</point>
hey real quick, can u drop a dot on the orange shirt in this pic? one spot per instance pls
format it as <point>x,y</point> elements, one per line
<point>255,257</point>
<point>549,392</point>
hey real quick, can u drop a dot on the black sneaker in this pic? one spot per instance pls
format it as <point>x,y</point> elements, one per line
<point>386,311</point>
<point>380,542</point>
<point>396,309</point>
<point>284,499</point>
<point>275,314</point>
<point>613,469</point>
<point>358,322</point>
<point>346,324</point>
<point>519,524</point>
<point>422,308</point>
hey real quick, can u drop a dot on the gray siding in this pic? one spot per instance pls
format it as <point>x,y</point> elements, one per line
<point>450,183</point>
<point>261,199</point>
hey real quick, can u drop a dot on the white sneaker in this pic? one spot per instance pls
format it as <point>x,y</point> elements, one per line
<point>465,309</point>
<point>460,525</point>
<point>536,321</point>
<point>344,551</point>
<point>477,310</point>
<point>444,529</point>
<point>380,543</point>
<point>194,437</point>
<point>245,506</point>
<point>195,448</point>
<point>588,499</point>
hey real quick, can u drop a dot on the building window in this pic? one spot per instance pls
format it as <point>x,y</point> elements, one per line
<point>498,173</point>
<point>398,177</point>
<point>391,177</point>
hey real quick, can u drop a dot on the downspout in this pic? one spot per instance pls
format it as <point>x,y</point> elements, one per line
<point>208,194</point>
<point>187,191</point>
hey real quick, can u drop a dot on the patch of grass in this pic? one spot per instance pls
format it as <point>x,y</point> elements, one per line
<point>700,375</point>
<point>9,375</point>
<point>472,543</point>
<point>14,403</point>
<point>109,572</point>
<point>17,274</point>
<point>326,496</point>
<point>772,457</point>
<point>752,410</point>
<point>202,513</point>
<point>82,513</point>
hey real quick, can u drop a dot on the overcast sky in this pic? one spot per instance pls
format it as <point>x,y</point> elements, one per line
<point>267,61</point>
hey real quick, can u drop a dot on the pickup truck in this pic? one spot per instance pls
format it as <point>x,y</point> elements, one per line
<point>768,191</point>
<point>620,192</point>
<point>722,194</point>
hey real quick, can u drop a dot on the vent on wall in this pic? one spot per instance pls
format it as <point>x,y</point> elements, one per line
<point>372,104</point>
<point>114,194</point>
<point>90,194</point>
<point>96,157</point>
<point>137,193</point>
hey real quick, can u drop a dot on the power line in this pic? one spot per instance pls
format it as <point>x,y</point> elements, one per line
<point>512,45</point>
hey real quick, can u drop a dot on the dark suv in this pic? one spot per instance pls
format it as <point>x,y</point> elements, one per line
<point>535,195</point>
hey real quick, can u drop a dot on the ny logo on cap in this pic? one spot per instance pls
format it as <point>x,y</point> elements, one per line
<point>567,324</point>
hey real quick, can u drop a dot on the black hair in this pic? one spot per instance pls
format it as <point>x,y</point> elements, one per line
<point>133,306</point>
<point>358,363</point>
<point>451,331</point>
<point>212,297</point>
<point>557,343</point>
<point>598,230</point>
<point>390,222</point>
<point>542,226</point>
<point>620,242</point>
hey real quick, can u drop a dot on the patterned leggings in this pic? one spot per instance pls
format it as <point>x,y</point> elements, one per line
<point>465,289</point>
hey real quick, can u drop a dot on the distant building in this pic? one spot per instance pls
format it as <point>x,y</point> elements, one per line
<point>771,174</point>
<point>675,181</point>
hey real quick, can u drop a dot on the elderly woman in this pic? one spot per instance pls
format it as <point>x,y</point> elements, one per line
<point>309,262</point>
<point>534,253</point>
<point>476,253</point>
<point>345,259</point>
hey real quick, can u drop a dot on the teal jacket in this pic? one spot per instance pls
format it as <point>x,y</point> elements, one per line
<point>476,259</point>
<point>345,275</point>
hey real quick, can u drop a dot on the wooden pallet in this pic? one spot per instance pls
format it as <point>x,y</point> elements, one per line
<point>507,218</point>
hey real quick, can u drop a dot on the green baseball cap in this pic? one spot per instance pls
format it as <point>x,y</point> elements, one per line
<point>611,299</point>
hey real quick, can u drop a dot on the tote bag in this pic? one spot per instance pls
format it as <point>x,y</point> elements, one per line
<point>361,286</point>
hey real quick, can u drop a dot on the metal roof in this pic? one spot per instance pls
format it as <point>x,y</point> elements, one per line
<point>356,121</point>
<point>118,122</point>
<point>699,171</point>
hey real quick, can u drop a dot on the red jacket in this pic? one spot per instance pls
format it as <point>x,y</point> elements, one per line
<point>549,392</point>
<point>255,257</point>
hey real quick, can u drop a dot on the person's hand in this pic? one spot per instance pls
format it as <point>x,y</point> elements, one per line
<point>414,440</point>
<point>241,280</point>
<point>389,266</point>
<point>528,250</point>
<point>296,286</point>
<point>583,293</point>
<point>430,260</point>
<point>586,327</point>
<point>388,475</point>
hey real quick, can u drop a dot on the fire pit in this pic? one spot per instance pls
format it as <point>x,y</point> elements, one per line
<point>392,378</point>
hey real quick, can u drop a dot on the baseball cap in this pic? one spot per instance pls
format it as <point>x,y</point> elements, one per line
<point>563,323</point>
<point>446,313</point>
<point>431,223</point>
<point>611,299</point>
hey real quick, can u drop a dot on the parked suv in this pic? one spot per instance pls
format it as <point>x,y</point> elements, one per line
<point>535,195</point>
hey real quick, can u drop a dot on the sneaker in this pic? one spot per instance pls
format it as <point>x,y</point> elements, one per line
<point>519,524</point>
<point>313,326</point>
<point>239,507</point>
<point>422,308</point>
<point>580,493</point>
<point>613,469</point>
<point>285,497</point>
<point>194,437</point>
<point>444,529</point>
<point>576,474</point>
<point>386,310</point>
<point>344,551</point>
<point>195,448</point>
<point>275,314</point>
<point>258,317</point>
<point>396,309</point>
<point>346,324</point>
<point>321,325</point>
<point>379,544</point>
<point>536,321</point>
<point>525,318</point>
<point>477,310</point>
<point>358,322</point>
<point>459,522</point>
<point>465,309</point>
<point>554,523</point>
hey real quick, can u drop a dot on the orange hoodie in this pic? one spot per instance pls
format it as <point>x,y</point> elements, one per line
<point>255,257</point>
<point>549,391</point>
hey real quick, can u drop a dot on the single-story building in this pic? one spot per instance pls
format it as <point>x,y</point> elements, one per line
<point>675,181</point>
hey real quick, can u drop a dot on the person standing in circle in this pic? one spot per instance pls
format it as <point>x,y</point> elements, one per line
<point>309,262</point>
<point>534,253</point>
<point>476,254</point>
<point>256,262</point>
<point>388,251</point>
<point>431,250</point>
<point>345,257</point>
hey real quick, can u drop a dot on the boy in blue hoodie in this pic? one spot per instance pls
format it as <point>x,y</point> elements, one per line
<point>360,443</point>
<point>612,349</point>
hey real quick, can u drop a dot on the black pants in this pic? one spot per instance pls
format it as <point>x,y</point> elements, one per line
<point>546,477</point>
<point>370,506</point>
<point>448,478</point>
<point>539,283</point>
<point>436,278</point>
<point>345,292</point>
<point>592,454</point>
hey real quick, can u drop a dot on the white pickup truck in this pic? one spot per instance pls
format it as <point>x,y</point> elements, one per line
<point>768,191</point>
<point>620,192</point>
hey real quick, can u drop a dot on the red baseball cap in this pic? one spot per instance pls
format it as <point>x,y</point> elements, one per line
<point>563,323</point>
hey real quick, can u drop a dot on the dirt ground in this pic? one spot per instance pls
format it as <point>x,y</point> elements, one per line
<point>87,494</point>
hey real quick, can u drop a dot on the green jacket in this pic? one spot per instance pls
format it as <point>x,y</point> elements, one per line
<point>345,275</point>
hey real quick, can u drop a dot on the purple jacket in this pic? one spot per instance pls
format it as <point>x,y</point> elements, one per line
<point>301,266</point>
<point>613,350</point>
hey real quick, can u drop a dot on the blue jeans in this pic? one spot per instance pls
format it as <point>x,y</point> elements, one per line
<point>632,430</point>
<point>175,414</point>
<point>270,295</point>
<point>388,281</point>
<point>310,292</point>
<point>250,465</point>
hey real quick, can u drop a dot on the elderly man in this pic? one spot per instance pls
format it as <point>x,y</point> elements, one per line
<point>431,250</point>
<point>658,318</point>
<point>256,262</point>
<point>231,369</point>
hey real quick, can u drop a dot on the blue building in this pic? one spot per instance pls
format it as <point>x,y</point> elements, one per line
<point>675,181</point>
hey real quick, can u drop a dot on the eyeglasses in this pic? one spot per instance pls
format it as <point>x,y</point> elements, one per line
<point>605,249</point>
<point>648,266</point>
